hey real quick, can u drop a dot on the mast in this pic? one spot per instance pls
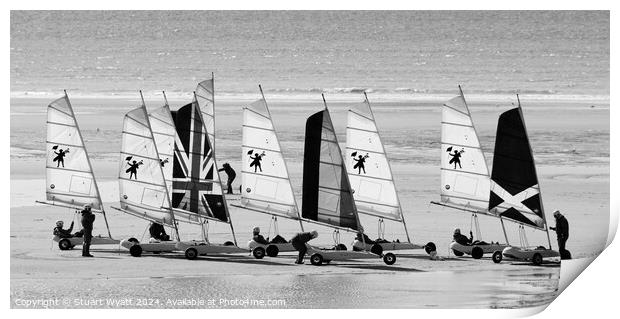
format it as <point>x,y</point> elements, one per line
<point>165,98</point>
<point>285,166</point>
<point>542,208</point>
<point>219,181</point>
<point>148,121</point>
<point>402,216</point>
<point>77,126</point>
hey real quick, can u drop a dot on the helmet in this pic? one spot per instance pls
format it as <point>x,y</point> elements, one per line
<point>457,231</point>
<point>556,212</point>
<point>87,206</point>
<point>256,230</point>
<point>59,223</point>
<point>314,234</point>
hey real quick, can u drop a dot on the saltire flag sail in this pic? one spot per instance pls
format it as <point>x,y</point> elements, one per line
<point>515,192</point>
<point>141,182</point>
<point>465,180</point>
<point>164,133</point>
<point>264,175</point>
<point>70,178</point>
<point>196,188</point>
<point>206,101</point>
<point>367,164</point>
<point>326,191</point>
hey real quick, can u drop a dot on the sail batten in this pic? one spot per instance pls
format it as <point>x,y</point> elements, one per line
<point>327,192</point>
<point>368,166</point>
<point>264,174</point>
<point>465,179</point>
<point>142,185</point>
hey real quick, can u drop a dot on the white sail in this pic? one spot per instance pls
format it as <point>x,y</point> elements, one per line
<point>206,101</point>
<point>164,133</point>
<point>141,182</point>
<point>264,176</point>
<point>465,180</point>
<point>70,179</point>
<point>368,167</point>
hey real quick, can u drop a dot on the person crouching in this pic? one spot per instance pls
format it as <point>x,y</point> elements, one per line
<point>299,243</point>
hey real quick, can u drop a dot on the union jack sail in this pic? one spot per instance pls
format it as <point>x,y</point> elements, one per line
<point>196,187</point>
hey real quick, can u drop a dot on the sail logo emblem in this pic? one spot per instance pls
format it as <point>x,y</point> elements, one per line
<point>60,155</point>
<point>256,160</point>
<point>163,162</point>
<point>359,162</point>
<point>455,158</point>
<point>133,167</point>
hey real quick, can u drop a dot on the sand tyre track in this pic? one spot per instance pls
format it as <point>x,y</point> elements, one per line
<point>477,252</point>
<point>272,251</point>
<point>497,257</point>
<point>191,253</point>
<point>537,259</point>
<point>135,250</point>
<point>457,253</point>
<point>430,247</point>
<point>316,259</point>
<point>65,244</point>
<point>258,252</point>
<point>389,259</point>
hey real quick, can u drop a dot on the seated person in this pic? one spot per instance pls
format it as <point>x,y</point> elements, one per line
<point>364,238</point>
<point>158,232</point>
<point>257,237</point>
<point>462,239</point>
<point>63,233</point>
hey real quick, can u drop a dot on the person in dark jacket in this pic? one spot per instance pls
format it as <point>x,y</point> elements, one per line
<point>157,232</point>
<point>561,230</point>
<point>462,239</point>
<point>299,243</point>
<point>63,233</point>
<point>230,172</point>
<point>257,237</point>
<point>88,218</point>
<point>364,238</point>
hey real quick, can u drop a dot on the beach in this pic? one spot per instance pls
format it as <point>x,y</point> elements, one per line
<point>576,184</point>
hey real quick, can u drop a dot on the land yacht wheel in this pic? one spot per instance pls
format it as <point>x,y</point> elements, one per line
<point>477,252</point>
<point>133,240</point>
<point>272,251</point>
<point>376,249</point>
<point>389,259</point>
<point>135,250</point>
<point>457,253</point>
<point>258,252</point>
<point>191,253</point>
<point>316,259</point>
<point>65,244</point>
<point>497,257</point>
<point>537,259</point>
<point>430,247</point>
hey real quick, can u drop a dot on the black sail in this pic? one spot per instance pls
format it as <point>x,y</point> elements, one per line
<point>327,196</point>
<point>195,187</point>
<point>515,192</point>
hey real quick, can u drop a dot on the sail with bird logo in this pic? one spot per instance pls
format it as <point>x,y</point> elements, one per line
<point>264,175</point>
<point>142,186</point>
<point>368,167</point>
<point>465,179</point>
<point>70,181</point>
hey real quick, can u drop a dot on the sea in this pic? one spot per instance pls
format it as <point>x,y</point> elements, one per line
<point>112,53</point>
<point>398,57</point>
